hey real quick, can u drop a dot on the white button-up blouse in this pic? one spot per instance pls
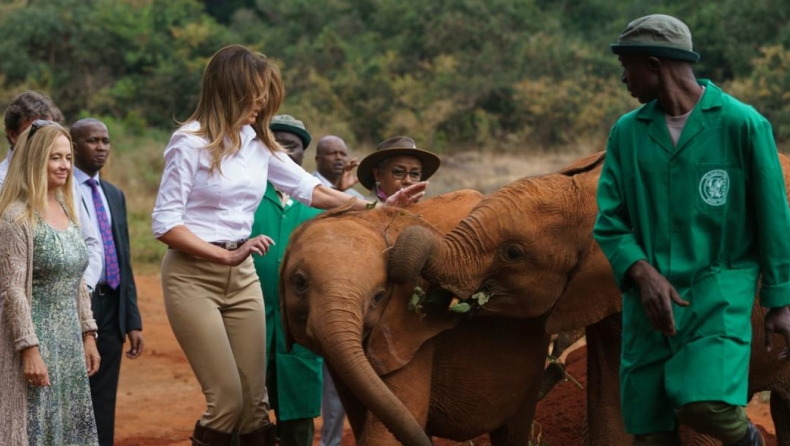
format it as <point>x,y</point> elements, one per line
<point>220,207</point>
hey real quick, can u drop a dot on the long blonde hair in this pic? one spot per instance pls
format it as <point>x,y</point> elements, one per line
<point>27,181</point>
<point>236,80</point>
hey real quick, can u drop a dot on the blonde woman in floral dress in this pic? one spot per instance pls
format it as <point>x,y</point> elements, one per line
<point>47,343</point>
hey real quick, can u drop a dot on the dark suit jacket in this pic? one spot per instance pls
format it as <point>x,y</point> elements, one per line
<point>128,314</point>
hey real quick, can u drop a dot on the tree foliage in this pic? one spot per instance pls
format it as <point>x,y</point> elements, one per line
<point>450,73</point>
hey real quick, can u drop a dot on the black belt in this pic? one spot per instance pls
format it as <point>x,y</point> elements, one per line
<point>230,246</point>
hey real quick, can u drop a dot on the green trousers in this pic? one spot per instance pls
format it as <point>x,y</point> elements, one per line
<point>719,420</point>
<point>298,432</point>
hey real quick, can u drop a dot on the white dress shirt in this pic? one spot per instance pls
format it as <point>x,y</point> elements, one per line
<point>220,206</point>
<point>81,179</point>
<point>91,237</point>
<point>4,167</point>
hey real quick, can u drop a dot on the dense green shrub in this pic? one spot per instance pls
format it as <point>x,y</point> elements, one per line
<point>501,74</point>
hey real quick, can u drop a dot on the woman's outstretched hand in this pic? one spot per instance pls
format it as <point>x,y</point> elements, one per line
<point>407,195</point>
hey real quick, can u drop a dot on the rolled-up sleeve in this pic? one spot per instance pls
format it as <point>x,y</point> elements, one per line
<point>181,164</point>
<point>772,215</point>
<point>87,322</point>
<point>288,176</point>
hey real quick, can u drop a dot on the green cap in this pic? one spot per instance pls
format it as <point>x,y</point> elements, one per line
<point>656,35</point>
<point>287,123</point>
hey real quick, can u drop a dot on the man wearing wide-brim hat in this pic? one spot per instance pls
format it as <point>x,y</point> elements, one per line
<point>692,210</point>
<point>396,163</point>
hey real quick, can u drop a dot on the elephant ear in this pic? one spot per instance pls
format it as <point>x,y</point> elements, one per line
<point>583,165</point>
<point>289,339</point>
<point>400,333</point>
<point>590,295</point>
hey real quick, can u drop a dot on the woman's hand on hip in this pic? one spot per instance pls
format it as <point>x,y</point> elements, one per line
<point>33,367</point>
<point>407,195</point>
<point>92,358</point>
<point>256,245</point>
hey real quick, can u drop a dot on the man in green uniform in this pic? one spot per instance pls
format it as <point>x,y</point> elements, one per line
<point>692,211</point>
<point>294,378</point>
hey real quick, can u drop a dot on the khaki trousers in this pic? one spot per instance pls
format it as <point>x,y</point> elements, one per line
<point>216,313</point>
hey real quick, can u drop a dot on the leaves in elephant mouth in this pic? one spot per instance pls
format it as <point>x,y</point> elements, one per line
<point>421,301</point>
<point>461,307</point>
<point>415,303</point>
<point>481,297</point>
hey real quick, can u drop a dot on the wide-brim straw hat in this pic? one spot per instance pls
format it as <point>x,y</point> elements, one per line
<point>392,147</point>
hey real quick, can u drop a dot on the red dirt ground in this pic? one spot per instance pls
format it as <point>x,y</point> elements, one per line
<point>159,399</point>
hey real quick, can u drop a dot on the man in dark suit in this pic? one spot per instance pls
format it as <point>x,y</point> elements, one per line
<point>114,300</point>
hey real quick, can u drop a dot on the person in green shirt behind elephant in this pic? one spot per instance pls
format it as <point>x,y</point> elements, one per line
<point>294,379</point>
<point>692,212</point>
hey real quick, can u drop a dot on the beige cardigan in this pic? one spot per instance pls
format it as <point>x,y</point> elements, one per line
<point>16,330</point>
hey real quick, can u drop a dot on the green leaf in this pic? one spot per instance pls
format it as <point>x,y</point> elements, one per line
<point>481,297</point>
<point>462,307</point>
<point>415,303</point>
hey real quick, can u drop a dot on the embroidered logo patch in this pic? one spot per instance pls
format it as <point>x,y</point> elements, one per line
<point>713,187</point>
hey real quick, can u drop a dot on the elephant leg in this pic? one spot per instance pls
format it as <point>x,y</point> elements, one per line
<point>780,412</point>
<point>604,416</point>
<point>412,385</point>
<point>518,429</point>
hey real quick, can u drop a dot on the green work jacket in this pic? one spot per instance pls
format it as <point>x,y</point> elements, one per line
<point>297,392</point>
<point>711,215</point>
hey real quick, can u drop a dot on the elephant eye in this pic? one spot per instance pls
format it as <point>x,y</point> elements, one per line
<point>299,282</point>
<point>379,296</point>
<point>514,252</point>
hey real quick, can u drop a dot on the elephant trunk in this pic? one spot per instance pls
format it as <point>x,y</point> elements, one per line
<point>447,261</point>
<point>341,342</point>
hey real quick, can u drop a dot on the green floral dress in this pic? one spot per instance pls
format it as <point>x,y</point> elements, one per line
<point>61,414</point>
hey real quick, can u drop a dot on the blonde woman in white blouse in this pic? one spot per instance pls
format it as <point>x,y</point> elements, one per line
<point>217,166</point>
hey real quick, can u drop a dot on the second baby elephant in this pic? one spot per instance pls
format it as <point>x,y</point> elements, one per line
<point>529,248</point>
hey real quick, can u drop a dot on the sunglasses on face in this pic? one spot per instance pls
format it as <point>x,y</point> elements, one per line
<point>37,124</point>
<point>400,174</point>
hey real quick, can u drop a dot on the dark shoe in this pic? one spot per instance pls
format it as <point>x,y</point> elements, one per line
<point>205,436</point>
<point>265,436</point>
<point>753,437</point>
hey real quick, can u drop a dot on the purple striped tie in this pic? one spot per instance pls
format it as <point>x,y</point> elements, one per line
<point>112,273</point>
